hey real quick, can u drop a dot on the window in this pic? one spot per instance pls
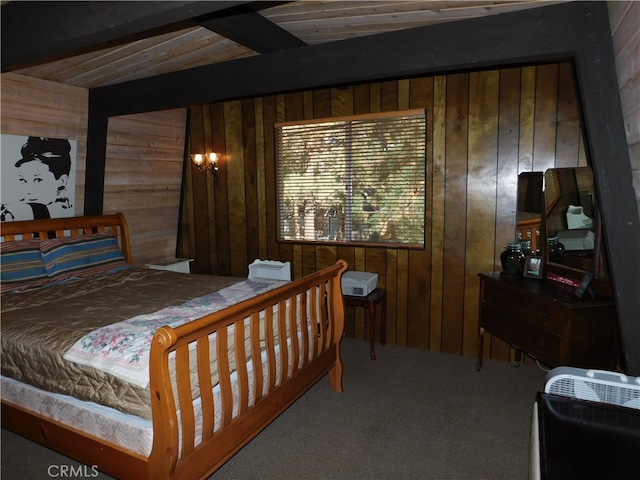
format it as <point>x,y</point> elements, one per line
<point>357,179</point>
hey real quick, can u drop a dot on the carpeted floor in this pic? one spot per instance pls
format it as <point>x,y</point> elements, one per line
<point>411,414</point>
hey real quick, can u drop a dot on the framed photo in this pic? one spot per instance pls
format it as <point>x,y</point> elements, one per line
<point>38,177</point>
<point>532,267</point>
<point>584,285</point>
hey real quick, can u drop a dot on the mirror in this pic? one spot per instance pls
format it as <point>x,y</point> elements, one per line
<point>530,208</point>
<point>572,227</point>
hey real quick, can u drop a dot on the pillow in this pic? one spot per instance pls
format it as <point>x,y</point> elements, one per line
<point>21,265</point>
<point>81,256</point>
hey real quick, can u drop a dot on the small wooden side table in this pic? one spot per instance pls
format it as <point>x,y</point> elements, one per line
<point>378,296</point>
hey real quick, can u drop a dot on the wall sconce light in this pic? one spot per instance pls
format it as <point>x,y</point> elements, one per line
<point>206,161</point>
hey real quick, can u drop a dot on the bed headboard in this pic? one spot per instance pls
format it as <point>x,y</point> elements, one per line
<point>69,227</point>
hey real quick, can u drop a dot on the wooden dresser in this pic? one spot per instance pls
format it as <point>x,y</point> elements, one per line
<point>547,321</point>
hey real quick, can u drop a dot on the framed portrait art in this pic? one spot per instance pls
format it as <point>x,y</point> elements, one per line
<point>38,177</point>
<point>532,267</point>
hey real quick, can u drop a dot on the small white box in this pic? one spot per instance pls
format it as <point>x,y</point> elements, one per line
<point>359,284</point>
<point>577,219</point>
<point>270,269</point>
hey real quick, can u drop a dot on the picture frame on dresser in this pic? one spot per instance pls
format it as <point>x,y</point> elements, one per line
<point>533,267</point>
<point>584,285</point>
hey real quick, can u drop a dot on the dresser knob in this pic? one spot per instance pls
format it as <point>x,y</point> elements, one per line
<point>544,316</point>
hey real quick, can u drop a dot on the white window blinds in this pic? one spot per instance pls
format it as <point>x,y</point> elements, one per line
<point>353,179</point>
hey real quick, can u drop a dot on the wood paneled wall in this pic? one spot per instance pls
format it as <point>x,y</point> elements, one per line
<point>143,179</point>
<point>624,18</point>
<point>484,128</point>
<point>47,109</point>
<point>144,157</point>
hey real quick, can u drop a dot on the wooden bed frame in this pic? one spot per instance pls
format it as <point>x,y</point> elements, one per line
<point>530,230</point>
<point>174,454</point>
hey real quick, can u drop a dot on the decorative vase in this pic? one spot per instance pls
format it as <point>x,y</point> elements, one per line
<point>555,249</point>
<point>526,247</point>
<point>512,258</point>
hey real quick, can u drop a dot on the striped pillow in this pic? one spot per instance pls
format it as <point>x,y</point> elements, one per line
<point>21,265</point>
<point>81,256</point>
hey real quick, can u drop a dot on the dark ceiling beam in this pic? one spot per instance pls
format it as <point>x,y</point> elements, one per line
<point>38,32</point>
<point>245,26</point>
<point>470,44</point>
<point>530,37</point>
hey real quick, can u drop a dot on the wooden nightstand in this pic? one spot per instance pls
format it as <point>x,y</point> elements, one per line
<point>378,296</point>
<point>180,265</point>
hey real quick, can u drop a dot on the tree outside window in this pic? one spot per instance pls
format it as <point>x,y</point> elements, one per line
<point>357,179</point>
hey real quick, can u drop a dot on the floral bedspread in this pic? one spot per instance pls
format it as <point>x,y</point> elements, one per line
<point>122,349</point>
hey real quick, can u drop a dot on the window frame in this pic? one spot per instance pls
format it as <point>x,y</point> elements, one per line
<point>352,242</point>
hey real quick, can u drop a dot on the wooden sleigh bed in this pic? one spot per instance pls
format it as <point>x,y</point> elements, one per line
<point>213,382</point>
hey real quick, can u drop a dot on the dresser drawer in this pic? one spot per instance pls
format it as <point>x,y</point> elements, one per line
<point>528,309</point>
<point>524,335</point>
<point>546,320</point>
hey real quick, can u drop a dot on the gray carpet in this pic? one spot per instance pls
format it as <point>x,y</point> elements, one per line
<point>411,414</point>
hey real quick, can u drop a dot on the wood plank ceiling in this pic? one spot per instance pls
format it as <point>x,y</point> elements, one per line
<point>93,44</point>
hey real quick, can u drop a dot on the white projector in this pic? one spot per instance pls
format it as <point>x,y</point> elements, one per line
<point>359,284</point>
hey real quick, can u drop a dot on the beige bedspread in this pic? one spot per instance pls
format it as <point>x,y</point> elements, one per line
<point>38,326</point>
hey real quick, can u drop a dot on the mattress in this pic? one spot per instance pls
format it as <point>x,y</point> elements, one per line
<point>34,341</point>
<point>114,426</point>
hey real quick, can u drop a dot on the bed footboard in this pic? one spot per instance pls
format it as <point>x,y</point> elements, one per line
<point>264,352</point>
